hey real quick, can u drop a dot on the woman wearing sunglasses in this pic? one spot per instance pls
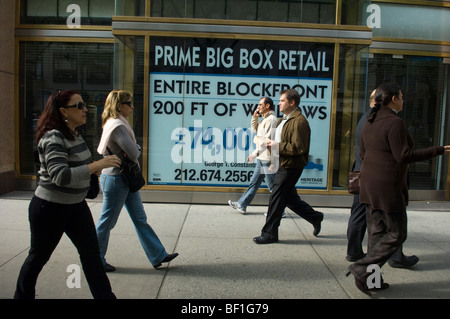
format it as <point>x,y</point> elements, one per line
<point>118,138</point>
<point>58,205</point>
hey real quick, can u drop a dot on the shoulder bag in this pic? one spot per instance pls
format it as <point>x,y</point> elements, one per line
<point>353,182</point>
<point>94,187</point>
<point>132,173</point>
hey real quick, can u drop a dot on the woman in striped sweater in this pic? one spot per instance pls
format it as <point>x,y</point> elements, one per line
<point>58,205</point>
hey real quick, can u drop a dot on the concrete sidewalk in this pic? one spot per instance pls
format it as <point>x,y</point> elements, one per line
<point>218,259</point>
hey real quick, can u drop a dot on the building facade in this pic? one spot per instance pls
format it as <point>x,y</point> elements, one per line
<point>197,69</point>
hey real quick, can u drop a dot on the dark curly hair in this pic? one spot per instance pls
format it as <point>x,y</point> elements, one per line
<point>51,118</point>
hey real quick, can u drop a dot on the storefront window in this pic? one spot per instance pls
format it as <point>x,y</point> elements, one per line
<point>353,12</point>
<point>129,61</point>
<point>352,101</point>
<point>48,66</point>
<point>130,8</point>
<point>320,11</point>
<point>203,92</point>
<point>422,80</point>
<point>430,23</point>
<point>91,12</point>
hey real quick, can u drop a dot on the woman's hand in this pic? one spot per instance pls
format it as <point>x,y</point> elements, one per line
<point>105,162</point>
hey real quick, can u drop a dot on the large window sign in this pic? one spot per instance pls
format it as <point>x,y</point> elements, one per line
<point>203,93</point>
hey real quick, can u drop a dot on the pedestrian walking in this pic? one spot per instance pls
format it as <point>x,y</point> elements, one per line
<point>58,205</point>
<point>118,137</point>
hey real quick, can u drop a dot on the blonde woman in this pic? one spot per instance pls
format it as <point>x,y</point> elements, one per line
<point>119,139</point>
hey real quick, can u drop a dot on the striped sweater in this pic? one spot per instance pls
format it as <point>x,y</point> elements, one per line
<point>64,175</point>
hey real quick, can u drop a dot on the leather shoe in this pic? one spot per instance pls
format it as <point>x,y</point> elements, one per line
<point>359,283</point>
<point>318,225</point>
<point>384,285</point>
<point>261,240</point>
<point>166,260</point>
<point>354,258</point>
<point>108,268</point>
<point>406,262</point>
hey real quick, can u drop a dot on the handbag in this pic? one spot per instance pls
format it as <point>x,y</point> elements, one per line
<point>353,182</point>
<point>94,187</point>
<point>132,173</point>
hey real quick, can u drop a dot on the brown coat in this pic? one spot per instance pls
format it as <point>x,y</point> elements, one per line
<point>386,149</point>
<point>295,139</point>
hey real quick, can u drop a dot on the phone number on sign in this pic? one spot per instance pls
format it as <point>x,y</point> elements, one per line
<point>212,175</point>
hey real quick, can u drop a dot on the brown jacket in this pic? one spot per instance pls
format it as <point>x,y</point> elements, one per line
<point>386,150</point>
<point>295,139</point>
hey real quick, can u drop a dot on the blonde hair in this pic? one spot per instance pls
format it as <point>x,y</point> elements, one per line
<point>114,99</point>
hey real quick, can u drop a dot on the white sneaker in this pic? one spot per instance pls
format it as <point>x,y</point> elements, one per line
<point>282,216</point>
<point>236,206</point>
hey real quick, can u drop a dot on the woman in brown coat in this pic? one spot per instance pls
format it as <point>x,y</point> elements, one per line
<point>386,150</point>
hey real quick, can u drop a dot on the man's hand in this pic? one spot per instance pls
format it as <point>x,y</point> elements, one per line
<point>270,144</point>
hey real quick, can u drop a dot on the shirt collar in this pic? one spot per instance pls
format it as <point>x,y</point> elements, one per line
<point>268,113</point>
<point>286,117</point>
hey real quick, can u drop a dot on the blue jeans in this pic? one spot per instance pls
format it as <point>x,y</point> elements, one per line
<point>116,194</point>
<point>256,180</point>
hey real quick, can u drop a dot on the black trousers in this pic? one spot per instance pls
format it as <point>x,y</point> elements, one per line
<point>48,222</point>
<point>284,194</point>
<point>356,228</point>
<point>386,234</point>
<point>356,231</point>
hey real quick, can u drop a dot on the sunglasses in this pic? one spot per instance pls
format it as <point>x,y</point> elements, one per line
<point>129,103</point>
<point>78,105</point>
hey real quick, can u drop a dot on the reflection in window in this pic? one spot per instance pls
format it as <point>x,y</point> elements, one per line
<point>350,105</point>
<point>422,82</point>
<point>353,12</point>
<point>130,8</point>
<point>129,51</point>
<point>414,22</point>
<point>320,11</point>
<point>93,12</point>
<point>48,66</point>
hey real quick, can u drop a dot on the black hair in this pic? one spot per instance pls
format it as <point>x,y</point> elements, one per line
<point>383,96</point>
<point>268,100</point>
<point>51,117</point>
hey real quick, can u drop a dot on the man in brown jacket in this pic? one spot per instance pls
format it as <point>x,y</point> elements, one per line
<point>292,139</point>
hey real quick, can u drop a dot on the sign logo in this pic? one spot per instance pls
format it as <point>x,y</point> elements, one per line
<point>74,19</point>
<point>374,18</point>
<point>74,279</point>
<point>374,280</point>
